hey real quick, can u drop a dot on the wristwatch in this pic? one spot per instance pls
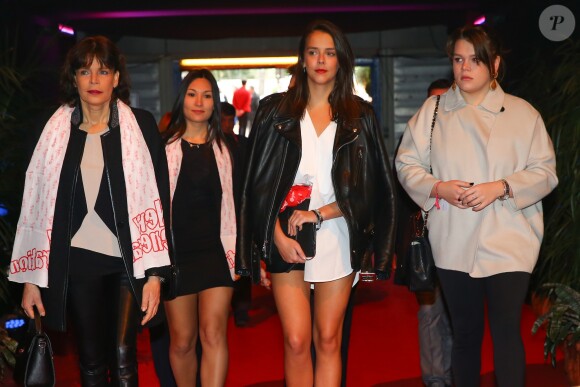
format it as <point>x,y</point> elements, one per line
<point>506,190</point>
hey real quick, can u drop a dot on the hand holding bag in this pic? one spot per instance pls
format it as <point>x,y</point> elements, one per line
<point>306,237</point>
<point>34,363</point>
<point>421,271</point>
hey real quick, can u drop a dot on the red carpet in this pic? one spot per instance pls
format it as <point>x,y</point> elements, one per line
<point>383,351</point>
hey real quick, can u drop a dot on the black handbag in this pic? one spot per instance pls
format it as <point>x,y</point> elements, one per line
<point>34,362</point>
<point>421,271</point>
<point>170,288</point>
<point>420,265</point>
<point>171,285</point>
<point>306,237</point>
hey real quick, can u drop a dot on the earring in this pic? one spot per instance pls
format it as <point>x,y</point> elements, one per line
<point>304,69</point>
<point>493,84</point>
<point>454,85</point>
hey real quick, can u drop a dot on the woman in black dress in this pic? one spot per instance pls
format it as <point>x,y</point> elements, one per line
<point>204,230</point>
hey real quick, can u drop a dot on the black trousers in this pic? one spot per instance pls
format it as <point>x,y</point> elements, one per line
<point>505,294</point>
<point>106,319</point>
<point>243,123</point>
<point>160,340</point>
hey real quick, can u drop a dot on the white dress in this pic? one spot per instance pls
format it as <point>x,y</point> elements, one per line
<point>332,259</point>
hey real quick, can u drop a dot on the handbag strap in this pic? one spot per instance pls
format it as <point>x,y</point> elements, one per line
<point>34,323</point>
<point>37,320</point>
<point>430,147</point>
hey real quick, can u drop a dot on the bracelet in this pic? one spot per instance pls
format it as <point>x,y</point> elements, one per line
<point>319,218</point>
<point>437,205</point>
<point>506,190</point>
<point>161,279</point>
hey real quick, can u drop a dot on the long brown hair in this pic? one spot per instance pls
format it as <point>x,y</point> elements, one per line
<point>342,99</point>
<point>177,125</point>
<point>82,54</point>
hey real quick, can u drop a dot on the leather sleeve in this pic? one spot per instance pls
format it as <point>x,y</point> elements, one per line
<point>244,264</point>
<point>385,202</point>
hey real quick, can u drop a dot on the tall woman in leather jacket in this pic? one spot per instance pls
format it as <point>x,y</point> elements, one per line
<point>95,191</point>
<point>317,133</point>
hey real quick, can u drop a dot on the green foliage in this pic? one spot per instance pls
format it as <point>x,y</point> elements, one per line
<point>553,87</point>
<point>8,348</point>
<point>562,319</point>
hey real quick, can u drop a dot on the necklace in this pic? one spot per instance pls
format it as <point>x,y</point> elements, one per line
<point>192,144</point>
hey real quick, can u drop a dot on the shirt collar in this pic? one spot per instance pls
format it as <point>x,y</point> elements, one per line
<point>492,102</point>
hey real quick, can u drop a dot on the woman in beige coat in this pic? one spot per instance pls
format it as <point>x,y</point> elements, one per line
<point>492,162</point>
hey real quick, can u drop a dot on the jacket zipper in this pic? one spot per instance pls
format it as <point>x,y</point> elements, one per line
<point>70,212</point>
<point>339,148</point>
<point>115,214</point>
<point>336,192</point>
<point>359,155</point>
<point>269,222</point>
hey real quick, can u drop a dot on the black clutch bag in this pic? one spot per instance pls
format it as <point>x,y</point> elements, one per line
<point>305,237</point>
<point>34,363</point>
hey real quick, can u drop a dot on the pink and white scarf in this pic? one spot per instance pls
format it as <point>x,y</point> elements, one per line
<point>228,210</point>
<point>29,261</point>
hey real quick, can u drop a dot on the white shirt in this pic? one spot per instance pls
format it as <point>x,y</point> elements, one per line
<point>332,259</point>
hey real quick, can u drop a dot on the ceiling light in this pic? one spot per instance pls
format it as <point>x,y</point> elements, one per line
<point>217,63</point>
<point>66,29</point>
<point>480,20</point>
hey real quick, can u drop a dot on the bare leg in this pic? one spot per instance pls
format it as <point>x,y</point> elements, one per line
<point>330,301</point>
<point>182,318</point>
<point>214,307</point>
<point>292,296</point>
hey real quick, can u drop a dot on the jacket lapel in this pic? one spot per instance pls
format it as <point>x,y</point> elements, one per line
<point>345,133</point>
<point>289,128</point>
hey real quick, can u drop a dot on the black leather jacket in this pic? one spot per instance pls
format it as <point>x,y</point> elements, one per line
<point>361,177</point>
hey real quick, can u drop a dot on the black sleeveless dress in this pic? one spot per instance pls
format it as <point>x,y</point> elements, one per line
<point>196,222</point>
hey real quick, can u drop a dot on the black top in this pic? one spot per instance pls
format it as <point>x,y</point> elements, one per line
<point>197,200</point>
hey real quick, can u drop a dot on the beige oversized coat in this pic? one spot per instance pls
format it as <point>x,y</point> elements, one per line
<point>502,138</point>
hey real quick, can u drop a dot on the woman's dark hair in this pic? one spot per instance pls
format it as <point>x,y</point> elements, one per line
<point>82,55</point>
<point>342,99</point>
<point>177,125</point>
<point>486,44</point>
<point>228,109</point>
<point>441,83</point>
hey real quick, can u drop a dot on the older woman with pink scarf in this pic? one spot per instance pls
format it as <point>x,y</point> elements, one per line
<point>94,199</point>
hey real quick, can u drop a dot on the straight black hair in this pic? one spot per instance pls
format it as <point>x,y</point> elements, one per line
<point>177,125</point>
